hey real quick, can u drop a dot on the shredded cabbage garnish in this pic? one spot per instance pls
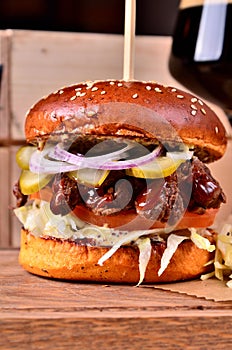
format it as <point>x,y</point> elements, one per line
<point>229,283</point>
<point>173,242</point>
<point>37,217</point>
<point>223,256</point>
<point>128,238</point>
<point>206,276</point>
<point>145,248</point>
<point>200,241</point>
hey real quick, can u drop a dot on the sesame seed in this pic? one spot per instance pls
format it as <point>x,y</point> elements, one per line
<point>112,83</point>
<point>78,89</point>
<point>80,94</point>
<point>157,89</point>
<point>173,90</point>
<point>194,99</point>
<point>120,84</point>
<point>103,92</point>
<point>194,107</point>
<point>135,96</point>
<point>94,88</point>
<point>200,102</point>
<point>216,129</point>
<point>148,87</point>
<point>203,111</point>
<point>90,113</point>
<point>194,112</point>
<point>89,84</point>
<point>61,92</point>
<point>73,98</point>
<point>179,96</point>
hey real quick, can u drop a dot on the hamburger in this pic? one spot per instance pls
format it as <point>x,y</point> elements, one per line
<point>114,184</point>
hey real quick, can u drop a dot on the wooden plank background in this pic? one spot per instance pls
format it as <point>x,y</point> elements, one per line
<point>36,63</point>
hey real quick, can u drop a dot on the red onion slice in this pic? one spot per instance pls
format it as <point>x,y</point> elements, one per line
<point>86,162</point>
<point>39,164</point>
<point>102,162</point>
<point>64,161</point>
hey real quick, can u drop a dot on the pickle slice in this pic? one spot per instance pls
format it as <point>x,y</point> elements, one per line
<point>30,182</point>
<point>92,177</point>
<point>23,156</point>
<point>158,168</point>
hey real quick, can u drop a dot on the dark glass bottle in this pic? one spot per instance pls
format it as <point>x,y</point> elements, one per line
<point>201,54</point>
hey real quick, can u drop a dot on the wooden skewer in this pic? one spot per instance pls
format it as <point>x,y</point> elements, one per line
<point>129,39</point>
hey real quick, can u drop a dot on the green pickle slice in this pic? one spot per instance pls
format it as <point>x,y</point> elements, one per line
<point>92,177</point>
<point>158,168</point>
<point>23,156</point>
<point>30,182</point>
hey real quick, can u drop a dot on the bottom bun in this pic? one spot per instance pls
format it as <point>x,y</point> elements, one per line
<point>62,259</point>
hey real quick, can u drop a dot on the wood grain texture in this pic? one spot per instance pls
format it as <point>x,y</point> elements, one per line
<point>5,216</point>
<point>38,313</point>
<point>116,334</point>
<point>5,116</point>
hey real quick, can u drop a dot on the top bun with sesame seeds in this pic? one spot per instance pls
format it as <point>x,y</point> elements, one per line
<point>138,109</point>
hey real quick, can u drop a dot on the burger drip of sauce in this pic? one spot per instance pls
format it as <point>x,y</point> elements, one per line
<point>161,200</point>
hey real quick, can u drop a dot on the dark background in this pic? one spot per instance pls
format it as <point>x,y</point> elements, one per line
<point>153,17</point>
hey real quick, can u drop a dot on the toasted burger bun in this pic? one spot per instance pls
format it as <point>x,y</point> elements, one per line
<point>62,259</point>
<point>134,109</point>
